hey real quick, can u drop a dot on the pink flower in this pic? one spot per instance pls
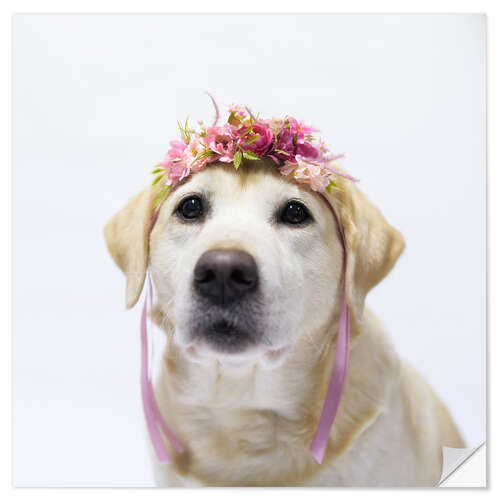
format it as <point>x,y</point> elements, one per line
<point>174,163</point>
<point>178,171</point>
<point>177,149</point>
<point>285,148</point>
<point>192,151</point>
<point>307,171</point>
<point>299,130</point>
<point>307,150</point>
<point>174,153</point>
<point>287,168</point>
<point>262,145</point>
<point>221,141</point>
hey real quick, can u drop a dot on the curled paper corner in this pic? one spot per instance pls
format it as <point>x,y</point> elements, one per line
<point>453,459</point>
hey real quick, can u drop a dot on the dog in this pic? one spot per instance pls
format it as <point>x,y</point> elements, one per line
<point>249,278</point>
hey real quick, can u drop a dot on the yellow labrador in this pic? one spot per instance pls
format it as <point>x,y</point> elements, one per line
<point>247,267</point>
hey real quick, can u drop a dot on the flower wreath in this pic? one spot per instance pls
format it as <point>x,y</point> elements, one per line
<point>287,141</point>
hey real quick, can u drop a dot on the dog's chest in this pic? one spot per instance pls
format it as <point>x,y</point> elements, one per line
<point>239,429</point>
<point>245,447</point>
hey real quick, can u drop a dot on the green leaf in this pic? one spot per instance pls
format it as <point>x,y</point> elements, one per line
<point>157,170</point>
<point>331,185</point>
<point>294,139</point>
<point>157,179</point>
<point>231,116</point>
<point>237,159</point>
<point>250,156</point>
<point>179,124</point>
<point>254,138</point>
<point>204,154</point>
<point>282,152</point>
<point>185,131</point>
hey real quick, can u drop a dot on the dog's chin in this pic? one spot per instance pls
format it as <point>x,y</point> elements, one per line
<point>202,353</point>
<point>233,348</point>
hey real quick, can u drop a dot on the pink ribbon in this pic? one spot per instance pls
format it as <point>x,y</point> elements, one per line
<point>154,419</point>
<point>340,365</point>
<point>335,389</point>
<point>156,423</point>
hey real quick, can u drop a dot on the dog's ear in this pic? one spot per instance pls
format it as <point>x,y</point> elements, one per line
<point>127,238</point>
<point>373,245</point>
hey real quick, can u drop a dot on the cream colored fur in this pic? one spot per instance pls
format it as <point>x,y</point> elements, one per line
<point>248,419</point>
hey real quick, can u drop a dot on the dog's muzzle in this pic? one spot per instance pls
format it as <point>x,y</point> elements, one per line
<point>226,285</point>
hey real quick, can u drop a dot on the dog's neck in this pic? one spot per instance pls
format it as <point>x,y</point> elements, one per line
<point>215,385</point>
<point>227,415</point>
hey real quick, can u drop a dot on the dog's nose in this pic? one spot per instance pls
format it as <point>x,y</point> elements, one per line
<point>224,276</point>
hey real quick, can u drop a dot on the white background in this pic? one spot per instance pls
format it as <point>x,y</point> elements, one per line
<point>96,99</point>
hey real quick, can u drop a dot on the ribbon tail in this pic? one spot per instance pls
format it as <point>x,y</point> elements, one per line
<point>335,171</point>
<point>335,388</point>
<point>160,421</point>
<point>154,419</point>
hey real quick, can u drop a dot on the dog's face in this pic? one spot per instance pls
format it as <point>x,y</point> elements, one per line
<point>245,263</point>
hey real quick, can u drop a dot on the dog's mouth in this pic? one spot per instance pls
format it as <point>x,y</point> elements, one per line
<point>226,336</point>
<point>225,330</point>
<point>231,338</point>
<point>236,334</point>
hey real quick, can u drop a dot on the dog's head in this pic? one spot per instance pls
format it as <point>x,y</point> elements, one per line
<point>246,263</point>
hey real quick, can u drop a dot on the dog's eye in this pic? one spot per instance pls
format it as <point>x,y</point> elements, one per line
<point>294,212</point>
<point>190,208</point>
